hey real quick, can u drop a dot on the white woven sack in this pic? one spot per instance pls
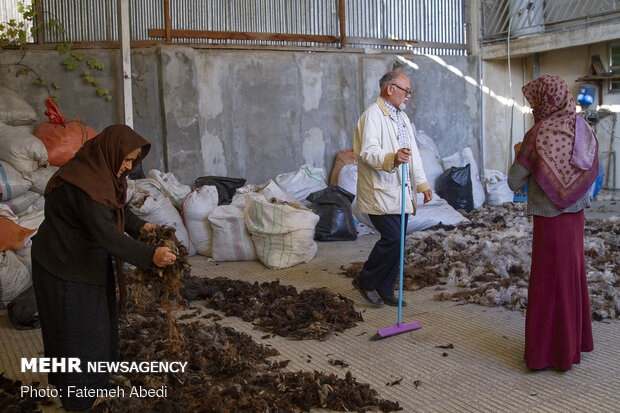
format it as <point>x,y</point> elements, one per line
<point>14,277</point>
<point>12,183</point>
<point>158,210</point>
<point>428,215</point>
<point>438,211</point>
<point>272,190</point>
<point>432,165</point>
<point>283,236</point>
<point>22,150</point>
<point>302,182</point>
<point>21,203</point>
<point>425,141</point>
<point>231,240</point>
<point>41,177</point>
<point>347,178</point>
<point>7,212</point>
<point>195,211</point>
<point>170,185</point>
<point>14,110</point>
<point>27,128</point>
<point>136,193</point>
<point>498,191</point>
<point>149,185</point>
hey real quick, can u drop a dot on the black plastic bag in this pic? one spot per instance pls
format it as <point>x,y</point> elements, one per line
<point>454,185</point>
<point>226,187</point>
<point>137,172</point>
<point>23,312</point>
<point>333,205</point>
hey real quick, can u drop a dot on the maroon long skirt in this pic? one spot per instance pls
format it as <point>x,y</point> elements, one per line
<point>557,321</point>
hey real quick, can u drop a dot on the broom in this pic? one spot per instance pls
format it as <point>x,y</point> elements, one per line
<point>399,327</point>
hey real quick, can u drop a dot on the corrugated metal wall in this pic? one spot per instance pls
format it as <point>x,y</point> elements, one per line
<point>256,16</point>
<point>432,21</point>
<point>534,16</point>
<point>429,21</point>
<point>8,11</point>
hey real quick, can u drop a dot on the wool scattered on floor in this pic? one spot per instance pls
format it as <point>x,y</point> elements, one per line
<point>487,260</point>
<point>311,314</point>
<point>12,401</point>
<point>227,370</point>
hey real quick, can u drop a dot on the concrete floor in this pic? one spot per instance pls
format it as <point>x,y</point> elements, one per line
<point>484,372</point>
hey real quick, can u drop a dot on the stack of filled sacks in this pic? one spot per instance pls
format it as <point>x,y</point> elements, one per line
<point>24,173</point>
<point>158,198</point>
<point>266,222</point>
<point>15,243</point>
<point>438,211</point>
<point>24,170</point>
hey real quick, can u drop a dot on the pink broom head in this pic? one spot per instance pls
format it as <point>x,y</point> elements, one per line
<point>398,328</point>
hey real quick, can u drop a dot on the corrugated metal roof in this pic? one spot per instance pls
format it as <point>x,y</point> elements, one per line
<point>440,22</point>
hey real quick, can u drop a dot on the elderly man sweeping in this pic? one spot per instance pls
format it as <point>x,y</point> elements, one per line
<point>384,140</point>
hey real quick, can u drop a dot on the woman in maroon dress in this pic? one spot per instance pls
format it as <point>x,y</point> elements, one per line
<point>558,161</point>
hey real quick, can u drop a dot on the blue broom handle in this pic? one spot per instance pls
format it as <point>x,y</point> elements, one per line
<point>402,243</point>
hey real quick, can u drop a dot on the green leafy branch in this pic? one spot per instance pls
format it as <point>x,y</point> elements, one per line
<point>75,60</point>
<point>15,34</point>
<point>23,70</point>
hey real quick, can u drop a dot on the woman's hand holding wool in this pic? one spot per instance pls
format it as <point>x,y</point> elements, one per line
<point>163,257</point>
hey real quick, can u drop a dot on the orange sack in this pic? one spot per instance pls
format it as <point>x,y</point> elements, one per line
<point>62,139</point>
<point>344,157</point>
<point>12,235</point>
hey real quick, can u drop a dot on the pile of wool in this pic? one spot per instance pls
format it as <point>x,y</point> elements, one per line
<point>161,284</point>
<point>603,266</point>
<point>488,259</point>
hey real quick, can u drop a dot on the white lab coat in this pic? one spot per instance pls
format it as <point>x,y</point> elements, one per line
<point>375,146</point>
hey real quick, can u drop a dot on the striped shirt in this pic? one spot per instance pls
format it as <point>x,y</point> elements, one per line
<point>403,137</point>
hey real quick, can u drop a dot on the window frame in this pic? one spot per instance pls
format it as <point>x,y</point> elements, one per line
<point>614,67</point>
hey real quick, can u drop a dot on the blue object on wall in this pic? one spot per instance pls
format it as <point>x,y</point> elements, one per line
<point>599,181</point>
<point>586,95</point>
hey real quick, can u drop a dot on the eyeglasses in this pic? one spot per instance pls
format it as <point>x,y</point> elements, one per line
<point>408,92</point>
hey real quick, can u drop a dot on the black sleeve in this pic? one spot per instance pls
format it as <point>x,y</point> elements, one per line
<point>100,223</point>
<point>133,224</point>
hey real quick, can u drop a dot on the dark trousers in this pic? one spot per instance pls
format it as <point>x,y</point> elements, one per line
<point>77,320</point>
<point>381,269</point>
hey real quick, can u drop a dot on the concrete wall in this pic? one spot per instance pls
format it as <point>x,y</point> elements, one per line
<point>255,114</point>
<point>78,99</point>
<point>498,140</point>
<point>570,64</point>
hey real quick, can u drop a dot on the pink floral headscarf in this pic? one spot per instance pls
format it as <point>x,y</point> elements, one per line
<point>560,150</point>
